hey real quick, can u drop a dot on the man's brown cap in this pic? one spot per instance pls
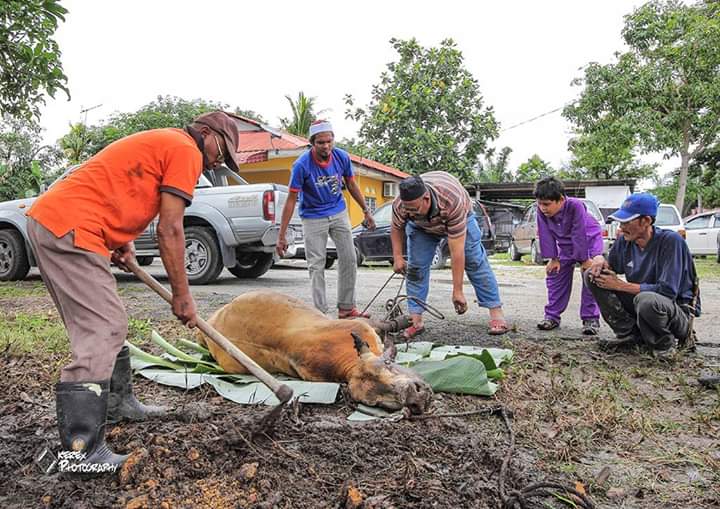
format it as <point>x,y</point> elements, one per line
<point>224,125</point>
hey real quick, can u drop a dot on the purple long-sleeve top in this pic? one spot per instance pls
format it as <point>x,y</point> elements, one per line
<point>571,234</point>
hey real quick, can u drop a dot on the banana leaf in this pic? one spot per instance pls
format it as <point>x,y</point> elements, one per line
<point>459,375</point>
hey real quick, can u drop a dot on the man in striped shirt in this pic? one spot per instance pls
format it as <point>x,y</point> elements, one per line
<point>429,208</point>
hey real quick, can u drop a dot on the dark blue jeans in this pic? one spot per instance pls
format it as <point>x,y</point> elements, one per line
<point>421,248</point>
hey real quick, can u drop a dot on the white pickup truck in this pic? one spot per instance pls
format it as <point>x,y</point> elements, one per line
<point>230,224</point>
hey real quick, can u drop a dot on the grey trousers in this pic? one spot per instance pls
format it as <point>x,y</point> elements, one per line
<point>647,316</point>
<point>85,294</point>
<point>316,232</point>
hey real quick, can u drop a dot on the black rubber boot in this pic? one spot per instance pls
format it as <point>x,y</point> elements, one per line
<point>122,404</point>
<point>81,413</point>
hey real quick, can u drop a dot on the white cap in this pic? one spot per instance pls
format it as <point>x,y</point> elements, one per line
<point>320,126</point>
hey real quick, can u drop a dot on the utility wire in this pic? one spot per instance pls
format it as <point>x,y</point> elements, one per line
<point>531,119</point>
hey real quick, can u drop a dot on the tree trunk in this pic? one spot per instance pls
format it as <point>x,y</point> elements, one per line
<point>684,163</point>
<point>682,181</point>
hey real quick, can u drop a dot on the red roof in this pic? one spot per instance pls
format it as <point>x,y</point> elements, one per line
<point>253,146</point>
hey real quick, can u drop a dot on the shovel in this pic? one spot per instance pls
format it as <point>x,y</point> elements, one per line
<point>281,391</point>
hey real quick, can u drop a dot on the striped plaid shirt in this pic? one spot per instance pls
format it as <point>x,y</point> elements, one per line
<point>449,207</point>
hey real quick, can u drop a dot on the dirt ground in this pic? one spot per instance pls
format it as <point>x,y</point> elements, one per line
<point>630,431</point>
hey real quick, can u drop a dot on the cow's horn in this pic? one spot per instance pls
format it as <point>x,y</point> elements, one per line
<point>360,344</point>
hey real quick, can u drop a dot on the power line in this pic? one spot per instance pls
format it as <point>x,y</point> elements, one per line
<point>531,119</point>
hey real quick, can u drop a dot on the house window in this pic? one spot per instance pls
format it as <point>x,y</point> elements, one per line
<point>371,203</point>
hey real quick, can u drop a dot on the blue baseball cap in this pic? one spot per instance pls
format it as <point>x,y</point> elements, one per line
<point>634,206</point>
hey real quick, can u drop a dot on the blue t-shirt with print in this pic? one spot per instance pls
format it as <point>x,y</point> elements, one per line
<point>320,185</point>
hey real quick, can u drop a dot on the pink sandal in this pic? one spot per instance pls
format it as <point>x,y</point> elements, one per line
<point>498,327</point>
<point>351,313</point>
<point>412,331</point>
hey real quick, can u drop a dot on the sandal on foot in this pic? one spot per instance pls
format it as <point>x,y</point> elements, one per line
<point>591,327</point>
<point>412,331</point>
<point>351,313</point>
<point>498,327</point>
<point>548,324</point>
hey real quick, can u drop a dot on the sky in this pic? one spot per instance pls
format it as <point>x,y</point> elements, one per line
<point>121,55</point>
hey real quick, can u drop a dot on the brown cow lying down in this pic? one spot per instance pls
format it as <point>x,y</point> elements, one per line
<point>285,335</point>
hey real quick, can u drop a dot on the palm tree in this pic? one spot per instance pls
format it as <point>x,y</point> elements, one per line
<point>302,114</point>
<point>76,143</point>
<point>495,167</point>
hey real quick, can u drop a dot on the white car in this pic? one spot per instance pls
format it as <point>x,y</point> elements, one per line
<point>701,232</point>
<point>669,218</point>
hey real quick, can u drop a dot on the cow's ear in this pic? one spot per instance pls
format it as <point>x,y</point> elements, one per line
<point>360,345</point>
<point>389,350</point>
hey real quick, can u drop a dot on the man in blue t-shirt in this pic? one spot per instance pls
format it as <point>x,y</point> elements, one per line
<point>317,178</point>
<point>657,302</point>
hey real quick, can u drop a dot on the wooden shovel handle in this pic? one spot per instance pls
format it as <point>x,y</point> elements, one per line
<point>281,391</point>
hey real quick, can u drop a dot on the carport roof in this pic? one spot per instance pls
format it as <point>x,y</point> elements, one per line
<point>524,190</point>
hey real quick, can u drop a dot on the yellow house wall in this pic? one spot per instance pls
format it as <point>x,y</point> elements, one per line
<point>277,171</point>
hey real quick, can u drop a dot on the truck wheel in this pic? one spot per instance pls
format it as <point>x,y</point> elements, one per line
<point>252,265</point>
<point>535,254</point>
<point>144,261</point>
<point>203,262</point>
<point>513,252</point>
<point>14,262</point>
<point>329,262</point>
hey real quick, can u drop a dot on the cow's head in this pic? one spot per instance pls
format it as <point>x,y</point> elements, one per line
<point>378,381</point>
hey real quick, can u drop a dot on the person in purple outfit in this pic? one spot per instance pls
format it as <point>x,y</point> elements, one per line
<point>568,235</point>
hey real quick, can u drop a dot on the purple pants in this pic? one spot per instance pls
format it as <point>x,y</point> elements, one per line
<point>559,287</point>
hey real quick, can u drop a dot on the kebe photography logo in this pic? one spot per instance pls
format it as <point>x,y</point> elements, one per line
<point>70,462</point>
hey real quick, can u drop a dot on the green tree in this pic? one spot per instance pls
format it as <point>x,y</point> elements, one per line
<point>24,161</point>
<point>703,184</point>
<point>354,147</point>
<point>608,152</point>
<point>29,56</point>
<point>665,88</point>
<point>426,113</point>
<point>303,114</point>
<point>494,167</point>
<point>165,111</point>
<point>533,170</point>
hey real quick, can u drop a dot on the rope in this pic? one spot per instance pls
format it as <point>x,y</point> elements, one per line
<point>393,305</point>
<point>381,289</point>
<point>519,498</point>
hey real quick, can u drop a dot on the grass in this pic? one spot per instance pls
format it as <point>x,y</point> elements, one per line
<point>707,268</point>
<point>504,259</point>
<point>45,332</point>
<point>33,332</point>
<point>15,289</point>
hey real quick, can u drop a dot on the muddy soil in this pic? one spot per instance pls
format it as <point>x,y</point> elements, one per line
<point>629,430</point>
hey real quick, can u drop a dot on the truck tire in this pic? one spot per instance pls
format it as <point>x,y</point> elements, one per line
<point>203,262</point>
<point>252,265</point>
<point>14,262</point>
<point>535,254</point>
<point>144,261</point>
<point>513,252</point>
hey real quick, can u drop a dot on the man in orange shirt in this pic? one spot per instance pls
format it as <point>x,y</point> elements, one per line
<point>91,218</point>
